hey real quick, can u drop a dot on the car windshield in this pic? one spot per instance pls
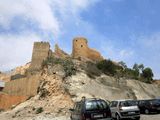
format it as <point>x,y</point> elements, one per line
<point>96,105</point>
<point>128,103</point>
<point>155,102</point>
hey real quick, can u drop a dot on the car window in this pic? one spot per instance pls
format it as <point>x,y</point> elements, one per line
<point>114,104</point>
<point>142,102</point>
<point>96,105</point>
<point>155,102</point>
<point>78,107</point>
<point>127,103</point>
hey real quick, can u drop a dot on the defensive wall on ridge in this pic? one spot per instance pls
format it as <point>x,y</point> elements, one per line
<point>41,51</point>
<point>27,86</point>
<point>81,49</point>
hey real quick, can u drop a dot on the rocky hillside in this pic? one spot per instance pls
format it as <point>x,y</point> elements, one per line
<point>58,91</point>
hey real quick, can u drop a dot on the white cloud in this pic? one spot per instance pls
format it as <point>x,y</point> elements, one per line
<point>148,51</point>
<point>45,13</point>
<point>49,16</point>
<point>16,50</point>
<point>115,52</point>
<point>151,41</point>
<point>37,11</point>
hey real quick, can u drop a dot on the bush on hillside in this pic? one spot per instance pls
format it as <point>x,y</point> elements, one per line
<point>147,75</point>
<point>67,64</point>
<point>131,74</point>
<point>108,67</point>
<point>39,110</point>
<point>92,70</point>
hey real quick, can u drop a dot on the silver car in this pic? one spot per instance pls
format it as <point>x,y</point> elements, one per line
<point>121,109</point>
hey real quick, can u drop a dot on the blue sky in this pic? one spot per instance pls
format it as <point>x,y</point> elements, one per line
<point>122,30</point>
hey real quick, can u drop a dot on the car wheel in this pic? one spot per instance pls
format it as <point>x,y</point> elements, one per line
<point>146,111</point>
<point>118,117</point>
<point>71,118</point>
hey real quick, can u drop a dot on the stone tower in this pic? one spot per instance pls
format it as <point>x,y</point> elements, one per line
<point>80,47</point>
<point>81,50</point>
<point>40,53</point>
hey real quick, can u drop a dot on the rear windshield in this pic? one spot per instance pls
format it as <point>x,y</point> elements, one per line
<point>128,103</point>
<point>155,102</point>
<point>96,105</point>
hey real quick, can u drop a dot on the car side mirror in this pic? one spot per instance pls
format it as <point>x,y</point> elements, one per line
<point>71,109</point>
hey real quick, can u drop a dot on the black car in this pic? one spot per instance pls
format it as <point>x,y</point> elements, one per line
<point>148,106</point>
<point>91,109</point>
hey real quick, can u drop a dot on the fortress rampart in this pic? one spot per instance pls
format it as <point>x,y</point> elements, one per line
<point>40,53</point>
<point>81,49</point>
<point>23,87</point>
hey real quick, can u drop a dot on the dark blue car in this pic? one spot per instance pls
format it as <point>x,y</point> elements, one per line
<point>91,109</point>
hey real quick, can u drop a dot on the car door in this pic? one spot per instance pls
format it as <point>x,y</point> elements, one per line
<point>77,112</point>
<point>113,108</point>
<point>74,112</point>
<point>141,105</point>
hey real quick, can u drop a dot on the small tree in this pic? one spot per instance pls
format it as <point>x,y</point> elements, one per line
<point>123,64</point>
<point>147,74</point>
<point>141,67</point>
<point>136,71</point>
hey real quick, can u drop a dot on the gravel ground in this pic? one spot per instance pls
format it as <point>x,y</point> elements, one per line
<point>143,117</point>
<point>150,117</point>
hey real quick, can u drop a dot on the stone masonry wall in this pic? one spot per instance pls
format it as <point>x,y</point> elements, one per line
<point>8,101</point>
<point>60,53</point>
<point>40,53</point>
<point>81,49</point>
<point>24,87</point>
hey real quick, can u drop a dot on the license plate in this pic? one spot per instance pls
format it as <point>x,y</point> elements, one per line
<point>98,116</point>
<point>131,112</point>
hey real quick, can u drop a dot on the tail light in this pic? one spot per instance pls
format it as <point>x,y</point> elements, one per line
<point>83,117</point>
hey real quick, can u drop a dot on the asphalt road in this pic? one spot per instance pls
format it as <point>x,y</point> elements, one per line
<point>150,117</point>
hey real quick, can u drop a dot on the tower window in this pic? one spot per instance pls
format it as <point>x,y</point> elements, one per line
<point>81,45</point>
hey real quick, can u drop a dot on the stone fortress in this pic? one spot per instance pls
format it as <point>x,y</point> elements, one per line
<point>81,50</point>
<point>25,85</point>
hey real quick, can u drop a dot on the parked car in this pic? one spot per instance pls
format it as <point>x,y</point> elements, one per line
<point>91,109</point>
<point>148,106</point>
<point>127,109</point>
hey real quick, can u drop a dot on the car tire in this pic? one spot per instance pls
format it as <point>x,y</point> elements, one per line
<point>118,117</point>
<point>146,111</point>
<point>71,118</point>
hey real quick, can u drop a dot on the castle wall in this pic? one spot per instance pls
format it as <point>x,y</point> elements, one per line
<point>7,101</point>
<point>24,87</point>
<point>60,53</point>
<point>40,53</point>
<point>81,49</point>
<point>94,55</point>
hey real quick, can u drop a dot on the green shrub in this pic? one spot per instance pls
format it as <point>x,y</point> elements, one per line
<point>67,64</point>
<point>131,74</point>
<point>108,67</point>
<point>92,70</point>
<point>147,75</point>
<point>39,110</point>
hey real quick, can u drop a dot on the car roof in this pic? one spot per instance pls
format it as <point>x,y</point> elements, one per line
<point>124,100</point>
<point>147,100</point>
